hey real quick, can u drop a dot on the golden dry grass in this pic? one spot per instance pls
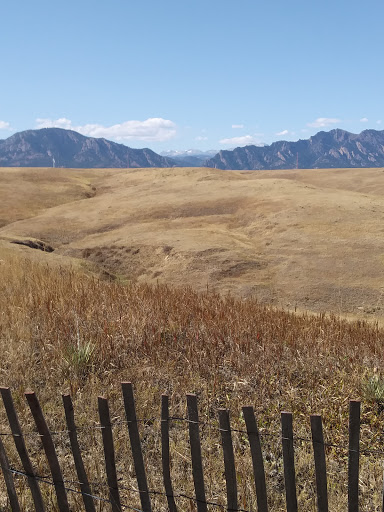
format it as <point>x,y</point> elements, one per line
<point>308,239</point>
<point>231,352</point>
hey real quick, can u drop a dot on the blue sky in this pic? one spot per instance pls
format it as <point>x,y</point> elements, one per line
<point>190,73</point>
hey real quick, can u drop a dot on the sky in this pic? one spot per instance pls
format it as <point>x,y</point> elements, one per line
<point>181,74</point>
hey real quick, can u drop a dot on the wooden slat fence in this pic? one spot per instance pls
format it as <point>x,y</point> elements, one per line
<point>199,499</point>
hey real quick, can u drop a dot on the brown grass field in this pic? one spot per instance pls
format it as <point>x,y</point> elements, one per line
<point>310,240</point>
<point>169,245</point>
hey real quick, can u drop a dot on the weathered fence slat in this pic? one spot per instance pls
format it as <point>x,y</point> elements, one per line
<point>229,459</point>
<point>76,452</point>
<point>353,456</point>
<point>197,463</point>
<point>257,459</point>
<point>8,478</point>
<point>21,448</point>
<point>320,464</point>
<point>165,457</point>
<point>137,454</point>
<point>49,449</point>
<point>289,461</point>
<point>383,494</point>
<point>109,453</point>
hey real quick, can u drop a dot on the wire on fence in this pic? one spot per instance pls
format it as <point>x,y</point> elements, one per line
<point>45,479</point>
<point>83,428</point>
<point>69,489</point>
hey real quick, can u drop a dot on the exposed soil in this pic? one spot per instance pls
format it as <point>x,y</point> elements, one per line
<point>34,244</point>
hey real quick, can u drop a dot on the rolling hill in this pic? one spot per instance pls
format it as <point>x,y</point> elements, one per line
<point>310,240</point>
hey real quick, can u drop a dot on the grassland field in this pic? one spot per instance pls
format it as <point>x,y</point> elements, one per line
<point>187,280</point>
<point>304,239</point>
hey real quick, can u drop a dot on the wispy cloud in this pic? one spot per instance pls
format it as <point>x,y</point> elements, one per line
<point>4,125</point>
<point>200,138</point>
<point>379,121</point>
<point>322,122</point>
<point>242,141</point>
<point>284,132</point>
<point>152,129</point>
<point>237,126</point>
<point>364,120</point>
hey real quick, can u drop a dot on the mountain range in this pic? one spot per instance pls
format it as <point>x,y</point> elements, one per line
<point>190,157</point>
<point>65,148</point>
<point>49,147</point>
<point>334,149</point>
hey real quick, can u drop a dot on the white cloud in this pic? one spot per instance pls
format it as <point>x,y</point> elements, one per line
<point>237,126</point>
<point>364,120</point>
<point>284,132</point>
<point>4,125</point>
<point>322,122</point>
<point>242,141</point>
<point>200,138</point>
<point>379,121</point>
<point>63,122</point>
<point>152,129</point>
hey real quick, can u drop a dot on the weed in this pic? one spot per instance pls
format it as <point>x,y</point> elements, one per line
<point>79,358</point>
<point>373,388</point>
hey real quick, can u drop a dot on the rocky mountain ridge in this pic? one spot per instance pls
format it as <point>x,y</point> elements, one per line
<point>49,147</point>
<point>333,149</point>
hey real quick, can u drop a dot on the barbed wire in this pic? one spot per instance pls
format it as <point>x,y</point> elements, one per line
<point>46,480</point>
<point>69,489</point>
<point>261,433</point>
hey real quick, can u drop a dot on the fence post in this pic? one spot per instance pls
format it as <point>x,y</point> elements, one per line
<point>289,461</point>
<point>137,454</point>
<point>76,452</point>
<point>21,448</point>
<point>109,453</point>
<point>165,458</point>
<point>50,451</point>
<point>320,464</point>
<point>353,456</point>
<point>257,459</point>
<point>229,459</point>
<point>197,463</point>
<point>8,478</point>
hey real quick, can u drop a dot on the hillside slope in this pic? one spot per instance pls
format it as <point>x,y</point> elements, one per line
<point>310,240</point>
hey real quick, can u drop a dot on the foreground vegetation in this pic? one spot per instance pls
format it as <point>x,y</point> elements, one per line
<point>62,331</point>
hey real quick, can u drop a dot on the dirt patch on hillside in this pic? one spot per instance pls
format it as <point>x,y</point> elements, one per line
<point>34,244</point>
<point>232,269</point>
<point>127,262</point>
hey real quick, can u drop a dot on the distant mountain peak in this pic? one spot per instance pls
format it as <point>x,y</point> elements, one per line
<point>38,148</point>
<point>333,149</point>
<point>189,157</point>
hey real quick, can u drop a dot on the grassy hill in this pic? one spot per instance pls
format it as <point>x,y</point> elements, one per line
<point>310,239</point>
<point>307,239</point>
<point>63,331</point>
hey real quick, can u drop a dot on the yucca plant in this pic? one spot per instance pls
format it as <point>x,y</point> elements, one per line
<point>374,391</point>
<point>79,358</point>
